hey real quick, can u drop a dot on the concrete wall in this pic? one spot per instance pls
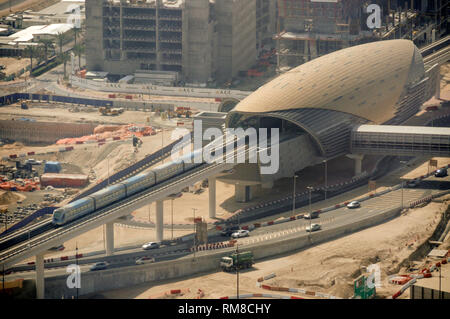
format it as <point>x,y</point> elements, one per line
<point>92,282</point>
<point>94,35</point>
<point>42,132</point>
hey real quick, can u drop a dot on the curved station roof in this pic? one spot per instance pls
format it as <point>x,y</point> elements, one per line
<point>365,80</point>
<point>375,83</point>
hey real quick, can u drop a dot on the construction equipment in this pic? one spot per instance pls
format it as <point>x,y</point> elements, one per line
<point>237,261</point>
<point>104,110</point>
<point>183,111</point>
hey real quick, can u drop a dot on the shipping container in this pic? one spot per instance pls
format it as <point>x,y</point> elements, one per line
<point>64,180</point>
<point>52,167</point>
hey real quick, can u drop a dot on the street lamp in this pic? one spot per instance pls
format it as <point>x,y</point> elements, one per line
<point>326,178</point>
<point>237,270</point>
<point>293,196</point>
<point>195,233</point>
<point>172,219</point>
<point>310,210</point>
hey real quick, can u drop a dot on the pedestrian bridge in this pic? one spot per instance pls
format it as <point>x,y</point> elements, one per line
<point>401,140</point>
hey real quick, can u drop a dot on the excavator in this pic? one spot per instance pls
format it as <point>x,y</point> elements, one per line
<point>104,110</point>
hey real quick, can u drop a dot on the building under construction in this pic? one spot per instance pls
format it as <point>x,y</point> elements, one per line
<point>311,28</point>
<point>202,40</point>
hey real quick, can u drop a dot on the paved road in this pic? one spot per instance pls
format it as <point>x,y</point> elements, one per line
<point>327,220</point>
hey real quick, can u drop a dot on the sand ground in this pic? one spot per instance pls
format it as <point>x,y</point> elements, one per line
<point>330,267</point>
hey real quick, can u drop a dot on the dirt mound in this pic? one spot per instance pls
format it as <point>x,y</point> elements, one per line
<point>107,128</point>
<point>7,198</point>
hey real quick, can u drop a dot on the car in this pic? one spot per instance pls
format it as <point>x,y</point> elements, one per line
<point>101,265</point>
<point>150,245</point>
<point>57,248</point>
<point>311,215</point>
<point>354,204</point>
<point>412,184</point>
<point>442,172</point>
<point>32,161</point>
<point>313,227</point>
<point>240,233</point>
<point>145,260</point>
<point>229,230</point>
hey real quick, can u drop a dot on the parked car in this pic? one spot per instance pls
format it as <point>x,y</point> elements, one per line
<point>145,260</point>
<point>412,184</point>
<point>32,161</point>
<point>100,266</point>
<point>442,172</point>
<point>240,233</point>
<point>150,245</point>
<point>229,230</point>
<point>314,227</point>
<point>354,204</point>
<point>311,215</point>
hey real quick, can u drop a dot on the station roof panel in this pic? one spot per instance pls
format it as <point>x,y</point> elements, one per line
<point>365,80</point>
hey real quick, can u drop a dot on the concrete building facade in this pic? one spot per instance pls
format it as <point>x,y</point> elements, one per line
<point>203,40</point>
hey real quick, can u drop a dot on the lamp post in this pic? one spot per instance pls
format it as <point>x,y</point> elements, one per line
<point>310,210</point>
<point>195,232</point>
<point>326,178</point>
<point>172,219</point>
<point>293,196</point>
<point>237,270</point>
<point>76,258</point>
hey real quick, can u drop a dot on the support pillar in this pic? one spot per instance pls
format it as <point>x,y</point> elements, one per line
<point>159,220</point>
<point>40,287</point>
<point>212,197</point>
<point>358,162</point>
<point>437,93</point>
<point>109,239</point>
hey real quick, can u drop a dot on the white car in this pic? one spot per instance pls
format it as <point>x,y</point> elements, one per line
<point>354,204</point>
<point>240,233</point>
<point>313,227</point>
<point>145,260</point>
<point>150,245</point>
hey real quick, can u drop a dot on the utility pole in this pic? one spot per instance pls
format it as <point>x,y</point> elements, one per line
<point>326,178</point>
<point>293,196</point>
<point>76,258</point>
<point>310,211</point>
<point>195,232</point>
<point>172,219</point>
<point>237,270</point>
<point>162,144</point>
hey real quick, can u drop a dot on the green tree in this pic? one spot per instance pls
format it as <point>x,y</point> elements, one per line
<point>76,32</point>
<point>78,50</point>
<point>46,44</point>
<point>61,38</point>
<point>31,52</point>
<point>64,58</point>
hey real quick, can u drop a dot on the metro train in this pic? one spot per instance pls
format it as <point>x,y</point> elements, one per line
<point>123,189</point>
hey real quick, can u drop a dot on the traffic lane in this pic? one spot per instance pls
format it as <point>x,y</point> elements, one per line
<point>374,205</point>
<point>124,255</point>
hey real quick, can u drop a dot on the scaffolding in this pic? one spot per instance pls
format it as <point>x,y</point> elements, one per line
<point>149,32</point>
<point>311,29</point>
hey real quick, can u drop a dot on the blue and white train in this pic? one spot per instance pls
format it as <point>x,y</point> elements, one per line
<point>123,189</point>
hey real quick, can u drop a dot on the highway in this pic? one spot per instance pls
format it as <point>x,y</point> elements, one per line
<point>327,220</point>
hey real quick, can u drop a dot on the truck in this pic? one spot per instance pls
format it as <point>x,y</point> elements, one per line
<point>237,261</point>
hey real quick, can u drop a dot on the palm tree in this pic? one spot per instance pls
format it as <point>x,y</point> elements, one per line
<point>64,58</point>
<point>46,43</point>
<point>78,50</point>
<point>31,52</point>
<point>61,38</point>
<point>76,31</point>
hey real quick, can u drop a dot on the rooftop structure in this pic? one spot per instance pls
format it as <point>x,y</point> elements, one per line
<point>200,39</point>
